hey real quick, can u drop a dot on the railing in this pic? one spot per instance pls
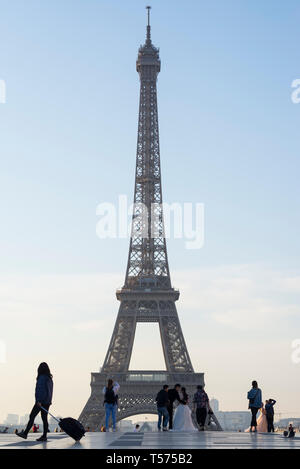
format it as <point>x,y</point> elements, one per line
<point>151,376</point>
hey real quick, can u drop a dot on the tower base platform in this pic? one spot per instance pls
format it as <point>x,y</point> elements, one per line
<point>138,390</point>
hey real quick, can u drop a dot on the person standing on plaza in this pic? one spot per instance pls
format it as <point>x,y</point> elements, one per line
<point>43,398</point>
<point>162,401</point>
<point>270,414</point>
<point>110,402</point>
<point>201,406</point>
<point>255,403</point>
<point>173,397</point>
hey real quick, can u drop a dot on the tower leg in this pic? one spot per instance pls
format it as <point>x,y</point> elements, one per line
<point>93,414</point>
<point>120,348</point>
<point>174,347</point>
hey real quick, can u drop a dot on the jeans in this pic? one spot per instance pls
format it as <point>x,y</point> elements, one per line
<point>254,411</point>
<point>110,409</point>
<point>201,414</point>
<point>35,411</point>
<point>162,412</point>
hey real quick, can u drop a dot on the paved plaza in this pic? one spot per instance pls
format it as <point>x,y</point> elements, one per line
<point>152,440</point>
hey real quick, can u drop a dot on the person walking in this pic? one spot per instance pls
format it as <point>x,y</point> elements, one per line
<point>162,401</point>
<point>43,398</point>
<point>110,402</point>
<point>270,414</point>
<point>201,405</point>
<point>255,403</point>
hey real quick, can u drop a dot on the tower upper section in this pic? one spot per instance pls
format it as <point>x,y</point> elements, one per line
<point>148,62</point>
<point>147,262</point>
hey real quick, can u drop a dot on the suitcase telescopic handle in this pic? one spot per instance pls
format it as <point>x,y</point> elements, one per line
<point>50,413</point>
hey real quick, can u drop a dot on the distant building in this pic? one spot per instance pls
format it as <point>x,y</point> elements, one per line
<point>12,419</point>
<point>53,424</point>
<point>126,426</point>
<point>234,420</point>
<point>24,419</point>
<point>214,404</point>
<point>146,427</point>
<point>284,423</point>
<point>38,420</point>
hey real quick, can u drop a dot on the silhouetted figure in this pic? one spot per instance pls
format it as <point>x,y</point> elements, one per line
<point>110,402</point>
<point>162,402</point>
<point>137,428</point>
<point>269,407</point>
<point>173,396</point>
<point>201,405</point>
<point>43,398</point>
<point>35,428</point>
<point>183,421</point>
<point>291,431</point>
<point>255,403</point>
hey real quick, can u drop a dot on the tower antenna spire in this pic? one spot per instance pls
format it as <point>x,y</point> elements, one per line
<point>148,8</point>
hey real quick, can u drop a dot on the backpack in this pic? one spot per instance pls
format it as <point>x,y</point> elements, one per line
<point>110,397</point>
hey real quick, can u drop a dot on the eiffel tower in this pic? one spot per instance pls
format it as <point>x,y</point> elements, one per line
<point>147,294</point>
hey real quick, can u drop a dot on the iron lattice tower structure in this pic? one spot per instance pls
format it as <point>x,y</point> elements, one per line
<point>147,294</point>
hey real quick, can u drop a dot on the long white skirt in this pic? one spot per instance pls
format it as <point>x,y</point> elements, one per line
<point>183,419</point>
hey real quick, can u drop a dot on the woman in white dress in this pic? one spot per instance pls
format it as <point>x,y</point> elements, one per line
<point>183,415</point>
<point>262,423</point>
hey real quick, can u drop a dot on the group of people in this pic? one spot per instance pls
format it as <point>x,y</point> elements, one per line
<point>165,400</point>
<point>181,420</point>
<point>265,421</point>
<point>173,409</point>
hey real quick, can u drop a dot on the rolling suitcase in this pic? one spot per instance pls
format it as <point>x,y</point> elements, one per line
<point>70,426</point>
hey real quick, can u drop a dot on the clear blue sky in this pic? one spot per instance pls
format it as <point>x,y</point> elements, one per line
<point>229,138</point>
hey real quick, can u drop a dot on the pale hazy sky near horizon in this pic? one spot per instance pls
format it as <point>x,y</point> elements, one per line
<point>229,136</point>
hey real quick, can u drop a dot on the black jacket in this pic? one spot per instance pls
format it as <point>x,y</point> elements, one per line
<point>162,398</point>
<point>174,396</point>
<point>270,407</point>
<point>44,390</point>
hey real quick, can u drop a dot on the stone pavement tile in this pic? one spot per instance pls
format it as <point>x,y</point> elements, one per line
<point>14,442</point>
<point>126,444</point>
<point>168,440</point>
<point>22,444</point>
